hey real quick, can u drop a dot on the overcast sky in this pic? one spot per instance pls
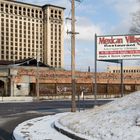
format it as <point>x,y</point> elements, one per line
<point>93,16</point>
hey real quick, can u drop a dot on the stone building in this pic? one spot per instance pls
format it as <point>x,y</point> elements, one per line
<point>14,78</point>
<point>20,79</point>
<point>29,31</point>
<point>126,69</point>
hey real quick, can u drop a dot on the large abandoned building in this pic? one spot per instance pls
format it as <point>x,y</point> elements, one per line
<point>20,79</point>
<point>28,31</point>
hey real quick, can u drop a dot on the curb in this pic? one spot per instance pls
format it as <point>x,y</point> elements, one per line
<point>68,134</point>
<point>13,138</point>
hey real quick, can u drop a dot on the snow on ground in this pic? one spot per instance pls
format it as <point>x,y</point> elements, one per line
<point>118,120</point>
<point>39,129</point>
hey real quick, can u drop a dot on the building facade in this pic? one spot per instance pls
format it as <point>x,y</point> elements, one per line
<point>126,69</point>
<point>32,31</point>
<point>21,80</point>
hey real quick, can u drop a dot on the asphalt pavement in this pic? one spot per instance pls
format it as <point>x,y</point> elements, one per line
<point>11,114</point>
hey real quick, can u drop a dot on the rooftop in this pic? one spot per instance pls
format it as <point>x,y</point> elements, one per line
<point>23,62</point>
<point>46,5</point>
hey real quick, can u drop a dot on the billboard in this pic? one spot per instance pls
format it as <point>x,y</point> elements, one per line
<point>118,47</point>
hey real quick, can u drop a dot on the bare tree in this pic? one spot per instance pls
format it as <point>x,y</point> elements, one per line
<point>135,28</point>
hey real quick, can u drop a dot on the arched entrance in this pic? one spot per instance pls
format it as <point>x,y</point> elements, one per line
<point>1,88</point>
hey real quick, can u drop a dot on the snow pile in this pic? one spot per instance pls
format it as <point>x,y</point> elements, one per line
<point>118,120</point>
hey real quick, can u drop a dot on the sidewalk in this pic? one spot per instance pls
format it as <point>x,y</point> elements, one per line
<point>39,129</point>
<point>15,99</point>
<point>47,127</point>
<point>31,99</point>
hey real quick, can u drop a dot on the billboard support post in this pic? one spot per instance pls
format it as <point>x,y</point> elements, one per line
<point>95,73</point>
<point>122,89</point>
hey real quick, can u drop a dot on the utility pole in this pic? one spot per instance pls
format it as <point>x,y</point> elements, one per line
<point>73,108</point>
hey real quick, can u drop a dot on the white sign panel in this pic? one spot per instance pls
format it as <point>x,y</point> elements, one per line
<point>118,47</point>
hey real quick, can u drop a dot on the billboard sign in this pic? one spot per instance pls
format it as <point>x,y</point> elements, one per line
<point>118,47</point>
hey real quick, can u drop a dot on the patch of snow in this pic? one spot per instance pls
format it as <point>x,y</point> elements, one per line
<point>39,129</point>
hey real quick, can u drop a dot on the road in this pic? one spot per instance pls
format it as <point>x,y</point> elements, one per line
<point>11,114</point>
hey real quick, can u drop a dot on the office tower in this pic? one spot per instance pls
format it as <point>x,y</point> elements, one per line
<point>32,31</point>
